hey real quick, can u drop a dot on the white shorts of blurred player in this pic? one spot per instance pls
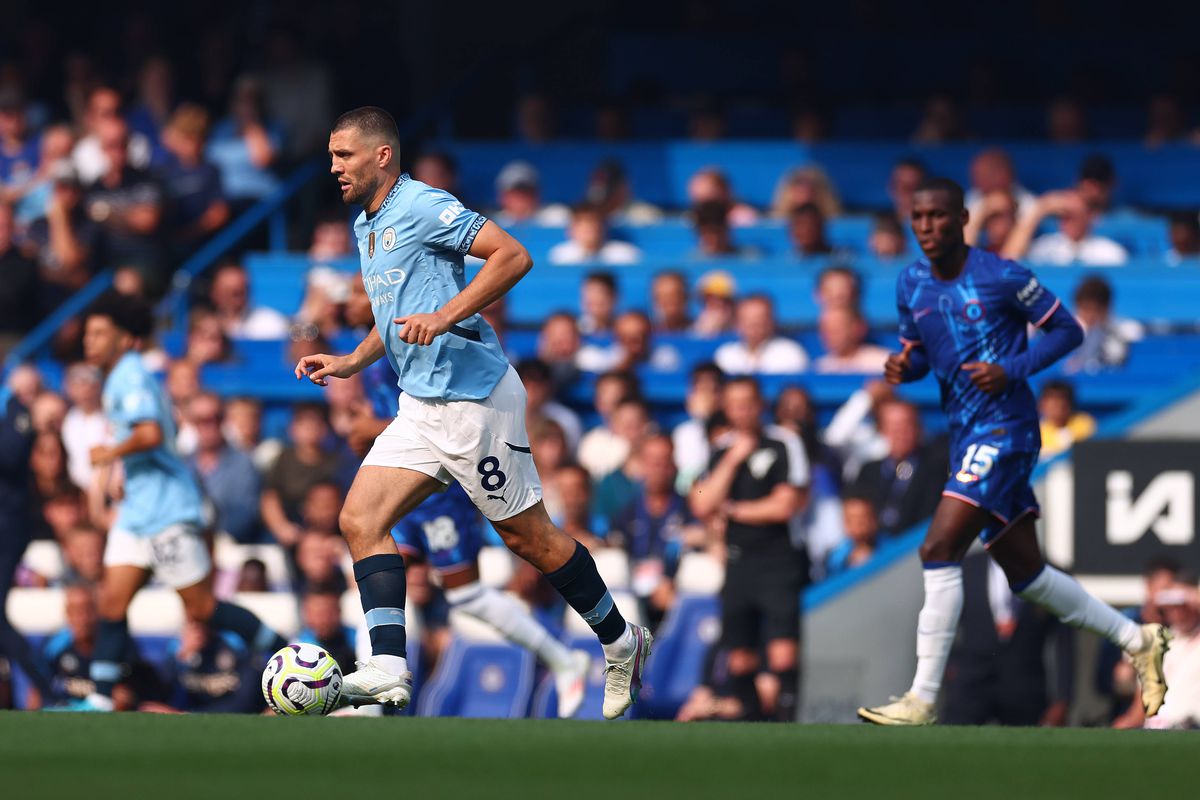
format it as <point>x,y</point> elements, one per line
<point>482,444</point>
<point>177,555</point>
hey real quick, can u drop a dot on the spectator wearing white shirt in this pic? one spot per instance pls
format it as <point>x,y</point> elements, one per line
<point>843,332</point>
<point>1073,242</point>
<point>1180,605</point>
<point>588,242</point>
<point>690,437</point>
<point>230,297</point>
<point>759,350</point>
<point>84,425</point>
<point>88,158</point>
<point>602,450</point>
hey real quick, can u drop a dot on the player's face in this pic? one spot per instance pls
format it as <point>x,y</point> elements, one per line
<point>353,162</point>
<point>936,223</point>
<point>103,342</point>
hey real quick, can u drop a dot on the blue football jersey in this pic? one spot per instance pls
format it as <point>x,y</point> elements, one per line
<point>411,252</point>
<point>982,315</point>
<point>160,490</point>
<point>445,530</point>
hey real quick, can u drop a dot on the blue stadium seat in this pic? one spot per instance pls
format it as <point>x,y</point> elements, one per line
<point>474,679</point>
<point>680,646</point>
<point>545,699</point>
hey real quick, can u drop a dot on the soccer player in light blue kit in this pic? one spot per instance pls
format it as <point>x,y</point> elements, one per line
<point>963,315</point>
<point>158,520</point>
<point>462,412</point>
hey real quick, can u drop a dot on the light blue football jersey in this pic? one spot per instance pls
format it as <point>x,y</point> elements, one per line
<point>411,251</point>
<point>160,490</point>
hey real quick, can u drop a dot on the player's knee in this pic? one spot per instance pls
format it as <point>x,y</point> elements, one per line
<point>354,524</point>
<point>935,550</point>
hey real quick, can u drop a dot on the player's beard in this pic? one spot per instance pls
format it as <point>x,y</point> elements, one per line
<point>360,192</point>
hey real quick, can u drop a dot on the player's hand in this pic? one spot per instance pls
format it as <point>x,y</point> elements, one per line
<point>101,455</point>
<point>321,366</point>
<point>897,364</point>
<point>988,378</point>
<point>421,329</point>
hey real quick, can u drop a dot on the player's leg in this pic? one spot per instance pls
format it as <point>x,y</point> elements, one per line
<point>379,496</point>
<point>508,616</point>
<point>1017,552</point>
<point>570,569</point>
<point>956,522</point>
<point>201,605</point>
<point>484,445</point>
<point>110,658</point>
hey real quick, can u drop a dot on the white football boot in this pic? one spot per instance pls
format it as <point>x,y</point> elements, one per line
<point>1149,665</point>
<point>372,684</point>
<point>906,710</point>
<point>571,684</point>
<point>623,679</point>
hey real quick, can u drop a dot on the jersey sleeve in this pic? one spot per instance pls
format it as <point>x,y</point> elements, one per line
<point>908,326</point>
<point>136,402</point>
<point>443,222</point>
<point>1026,294</point>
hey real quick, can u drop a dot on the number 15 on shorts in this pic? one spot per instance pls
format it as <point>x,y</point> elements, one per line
<point>977,463</point>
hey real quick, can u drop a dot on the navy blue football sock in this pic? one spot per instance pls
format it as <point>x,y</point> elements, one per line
<point>253,631</point>
<point>381,588</point>
<point>582,587</point>
<point>108,659</point>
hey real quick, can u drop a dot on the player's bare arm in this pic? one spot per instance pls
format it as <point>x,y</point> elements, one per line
<point>709,494</point>
<point>320,366</point>
<point>506,261</point>
<point>145,436</point>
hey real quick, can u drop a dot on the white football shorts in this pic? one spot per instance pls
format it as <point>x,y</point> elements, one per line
<point>177,555</point>
<point>482,444</point>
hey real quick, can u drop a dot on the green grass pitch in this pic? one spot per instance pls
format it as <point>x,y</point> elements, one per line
<point>174,757</point>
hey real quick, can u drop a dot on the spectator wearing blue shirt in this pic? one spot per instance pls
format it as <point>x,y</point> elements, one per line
<point>18,150</point>
<point>655,527</point>
<point>227,474</point>
<point>861,526</point>
<point>244,146</point>
<point>213,673</point>
<point>197,204</point>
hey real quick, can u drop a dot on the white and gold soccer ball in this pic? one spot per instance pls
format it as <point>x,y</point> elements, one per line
<point>302,679</point>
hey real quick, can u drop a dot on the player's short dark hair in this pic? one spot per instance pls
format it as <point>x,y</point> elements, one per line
<point>370,121</point>
<point>130,314</point>
<point>950,187</point>
<point>1058,386</point>
<point>607,279</point>
<point>1094,290</point>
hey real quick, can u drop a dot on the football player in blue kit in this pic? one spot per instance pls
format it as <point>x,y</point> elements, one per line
<point>157,529</point>
<point>964,315</point>
<point>446,531</point>
<point>461,416</point>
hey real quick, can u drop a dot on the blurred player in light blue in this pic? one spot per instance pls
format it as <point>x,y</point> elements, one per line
<point>447,532</point>
<point>157,529</point>
<point>461,416</point>
<point>964,315</point>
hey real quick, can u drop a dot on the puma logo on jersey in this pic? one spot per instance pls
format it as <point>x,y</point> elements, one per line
<point>499,497</point>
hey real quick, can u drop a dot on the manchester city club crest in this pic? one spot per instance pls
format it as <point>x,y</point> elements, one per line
<point>389,239</point>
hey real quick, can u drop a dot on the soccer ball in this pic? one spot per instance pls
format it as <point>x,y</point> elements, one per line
<point>302,679</point>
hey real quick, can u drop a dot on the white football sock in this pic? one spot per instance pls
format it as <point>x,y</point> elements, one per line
<point>937,625</point>
<point>1062,595</point>
<point>622,648</point>
<point>508,616</point>
<point>393,665</point>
